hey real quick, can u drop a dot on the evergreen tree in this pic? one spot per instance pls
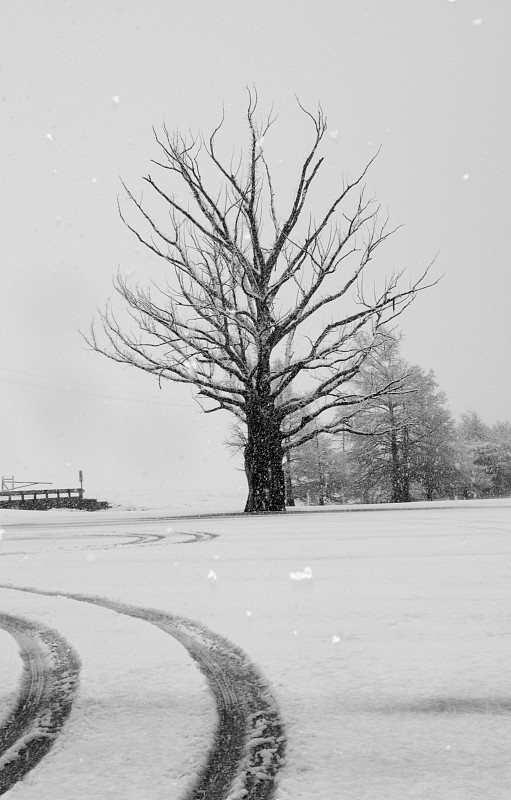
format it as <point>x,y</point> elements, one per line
<point>472,435</point>
<point>494,456</point>
<point>412,453</point>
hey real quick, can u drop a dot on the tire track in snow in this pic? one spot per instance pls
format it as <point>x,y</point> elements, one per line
<point>249,741</point>
<point>45,699</point>
<point>195,536</point>
<point>145,539</point>
<point>135,540</point>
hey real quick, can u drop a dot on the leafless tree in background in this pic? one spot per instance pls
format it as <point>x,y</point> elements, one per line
<point>247,285</point>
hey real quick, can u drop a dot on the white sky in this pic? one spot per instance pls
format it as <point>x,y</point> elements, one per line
<point>430,81</point>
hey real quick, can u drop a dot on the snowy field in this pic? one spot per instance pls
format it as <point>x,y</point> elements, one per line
<point>383,634</point>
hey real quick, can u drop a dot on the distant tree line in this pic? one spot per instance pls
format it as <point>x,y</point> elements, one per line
<point>407,446</point>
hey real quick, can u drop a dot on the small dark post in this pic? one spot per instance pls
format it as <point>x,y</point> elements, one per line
<point>80,478</point>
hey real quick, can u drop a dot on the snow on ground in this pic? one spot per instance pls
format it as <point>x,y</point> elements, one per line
<point>10,672</point>
<point>385,635</point>
<point>181,502</point>
<point>135,683</point>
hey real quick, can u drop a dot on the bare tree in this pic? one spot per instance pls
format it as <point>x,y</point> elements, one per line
<point>247,284</point>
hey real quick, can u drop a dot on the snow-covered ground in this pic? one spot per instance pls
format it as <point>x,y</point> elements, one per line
<point>384,633</point>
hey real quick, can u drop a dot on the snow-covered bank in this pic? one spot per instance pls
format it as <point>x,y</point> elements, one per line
<point>129,507</point>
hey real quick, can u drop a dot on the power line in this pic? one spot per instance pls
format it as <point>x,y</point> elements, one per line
<point>89,391</point>
<point>76,383</point>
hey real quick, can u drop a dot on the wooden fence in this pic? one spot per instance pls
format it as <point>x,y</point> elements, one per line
<point>24,495</point>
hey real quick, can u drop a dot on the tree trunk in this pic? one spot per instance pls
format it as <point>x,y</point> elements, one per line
<point>405,467</point>
<point>263,460</point>
<point>290,498</point>
<point>396,467</point>
<point>321,482</point>
<point>400,462</point>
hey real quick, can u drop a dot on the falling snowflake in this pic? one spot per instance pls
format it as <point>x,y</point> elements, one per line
<point>334,134</point>
<point>301,576</point>
<point>170,529</point>
<point>260,143</point>
<point>249,613</point>
<point>336,639</point>
<point>477,21</point>
<point>94,180</point>
<point>50,137</point>
<point>116,98</point>
<point>212,575</point>
<point>466,176</point>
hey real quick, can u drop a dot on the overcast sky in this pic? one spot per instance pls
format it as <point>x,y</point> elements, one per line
<point>81,86</point>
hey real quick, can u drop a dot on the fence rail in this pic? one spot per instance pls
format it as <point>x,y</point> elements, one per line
<point>13,495</point>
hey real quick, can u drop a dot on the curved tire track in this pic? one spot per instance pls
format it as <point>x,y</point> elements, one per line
<point>195,536</point>
<point>249,741</point>
<point>45,699</point>
<point>134,540</point>
<point>146,539</point>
